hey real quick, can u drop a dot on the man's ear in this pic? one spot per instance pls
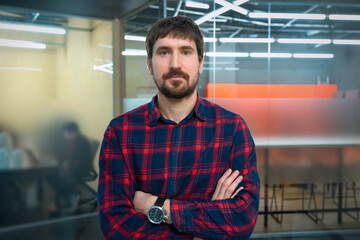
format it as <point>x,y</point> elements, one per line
<point>201,65</point>
<point>149,66</point>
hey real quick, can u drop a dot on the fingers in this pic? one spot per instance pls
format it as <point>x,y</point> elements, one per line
<point>227,184</point>
<point>237,191</point>
<point>219,184</point>
<point>224,190</point>
<point>231,189</point>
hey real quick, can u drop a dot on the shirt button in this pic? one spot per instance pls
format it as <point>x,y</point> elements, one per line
<point>171,184</point>
<point>173,154</point>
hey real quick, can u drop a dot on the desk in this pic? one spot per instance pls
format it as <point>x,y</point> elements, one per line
<point>293,169</point>
<point>39,174</point>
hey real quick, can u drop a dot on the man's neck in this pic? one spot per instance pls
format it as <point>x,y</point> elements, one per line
<point>176,110</point>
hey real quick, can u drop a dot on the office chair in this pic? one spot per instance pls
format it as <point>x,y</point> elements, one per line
<point>83,187</point>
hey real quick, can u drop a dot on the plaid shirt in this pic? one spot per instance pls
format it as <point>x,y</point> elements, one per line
<point>183,162</point>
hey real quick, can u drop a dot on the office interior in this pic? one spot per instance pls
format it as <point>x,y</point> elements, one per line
<point>289,68</point>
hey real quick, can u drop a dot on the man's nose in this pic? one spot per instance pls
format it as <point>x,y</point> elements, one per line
<point>175,61</point>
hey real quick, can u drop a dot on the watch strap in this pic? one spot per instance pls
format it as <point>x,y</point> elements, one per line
<point>159,202</point>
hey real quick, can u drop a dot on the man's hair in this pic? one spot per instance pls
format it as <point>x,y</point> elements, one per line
<point>175,27</point>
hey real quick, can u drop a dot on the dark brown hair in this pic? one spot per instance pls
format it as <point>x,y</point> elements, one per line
<point>176,27</point>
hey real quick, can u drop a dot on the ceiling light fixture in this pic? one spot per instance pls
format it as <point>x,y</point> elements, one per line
<point>346,41</point>
<point>217,20</point>
<point>218,12</point>
<point>304,40</point>
<point>210,39</point>
<point>313,55</point>
<point>134,52</point>
<point>21,44</point>
<point>134,38</point>
<point>197,5</point>
<point>32,28</point>
<point>271,55</point>
<point>344,17</point>
<point>247,40</point>
<point>232,7</point>
<point>287,15</point>
<point>226,54</point>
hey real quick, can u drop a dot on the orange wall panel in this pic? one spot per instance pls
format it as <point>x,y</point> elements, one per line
<point>234,90</point>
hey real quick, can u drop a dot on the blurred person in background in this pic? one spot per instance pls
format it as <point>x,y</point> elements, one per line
<point>74,163</point>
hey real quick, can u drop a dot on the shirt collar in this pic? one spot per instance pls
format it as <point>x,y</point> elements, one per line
<point>155,115</point>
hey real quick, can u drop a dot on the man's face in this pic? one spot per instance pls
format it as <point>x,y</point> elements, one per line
<point>175,67</point>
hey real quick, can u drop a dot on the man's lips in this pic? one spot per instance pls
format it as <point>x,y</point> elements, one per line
<point>177,77</point>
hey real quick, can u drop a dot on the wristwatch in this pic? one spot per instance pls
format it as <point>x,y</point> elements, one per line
<point>157,214</point>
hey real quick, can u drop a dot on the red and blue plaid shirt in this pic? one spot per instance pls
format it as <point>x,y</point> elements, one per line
<point>182,162</point>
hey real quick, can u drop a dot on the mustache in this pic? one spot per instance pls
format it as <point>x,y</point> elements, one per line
<point>175,72</point>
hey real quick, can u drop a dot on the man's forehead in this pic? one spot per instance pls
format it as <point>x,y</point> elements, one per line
<point>170,40</point>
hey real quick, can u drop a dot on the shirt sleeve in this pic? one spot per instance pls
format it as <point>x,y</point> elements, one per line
<point>230,218</point>
<point>116,190</point>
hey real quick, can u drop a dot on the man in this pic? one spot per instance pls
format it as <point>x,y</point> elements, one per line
<point>178,167</point>
<point>74,159</point>
<point>77,157</point>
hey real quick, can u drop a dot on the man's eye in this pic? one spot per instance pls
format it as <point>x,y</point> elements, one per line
<point>186,52</point>
<point>163,53</point>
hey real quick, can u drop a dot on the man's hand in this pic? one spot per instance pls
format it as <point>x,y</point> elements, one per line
<point>224,189</point>
<point>143,201</point>
<point>226,185</point>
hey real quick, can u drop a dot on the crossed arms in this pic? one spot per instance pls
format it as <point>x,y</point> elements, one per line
<point>229,214</point>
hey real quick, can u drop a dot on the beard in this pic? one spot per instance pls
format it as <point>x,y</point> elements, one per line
<point>175,92</point>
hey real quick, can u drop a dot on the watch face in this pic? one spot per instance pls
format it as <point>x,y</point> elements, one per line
<point>156,215</point>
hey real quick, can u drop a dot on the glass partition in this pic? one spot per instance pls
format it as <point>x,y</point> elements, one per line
<point>289,68</point>
<point>55,103</point>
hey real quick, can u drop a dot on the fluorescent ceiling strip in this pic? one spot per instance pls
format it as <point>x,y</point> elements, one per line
<point>32,28</point>
<point>21,44</point>
<point>304,40</point>
<point>22,69</point>
<point>346,41</point>
<point>287,15</point>
<point>211,68</point>
<point>197,5</point>
<point>135,38</point>
<point>247,40</point>
<point>105,45</point>
<point>344,17</point>
<point>191,12</point>
<point>134,52</point>
<point>271,55</point>
<point>313,55</point>
<point>157,7</point>
<point>231,68</point>
<point>217,20</point>
<point>310,25</point>
<point>210,39</point>
<point>226,54</point>
<point>217,12</point>
<point>232,7</point>
<point>221,62</point>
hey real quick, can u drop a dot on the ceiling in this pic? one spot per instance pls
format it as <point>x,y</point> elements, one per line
<point>232,24</point>
<point>235,24</point>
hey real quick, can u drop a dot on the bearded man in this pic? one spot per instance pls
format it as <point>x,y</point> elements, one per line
<point>179,167</point>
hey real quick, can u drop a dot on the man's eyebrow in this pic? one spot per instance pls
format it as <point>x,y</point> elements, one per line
<point>161,48</point>
<point>187,48</point>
